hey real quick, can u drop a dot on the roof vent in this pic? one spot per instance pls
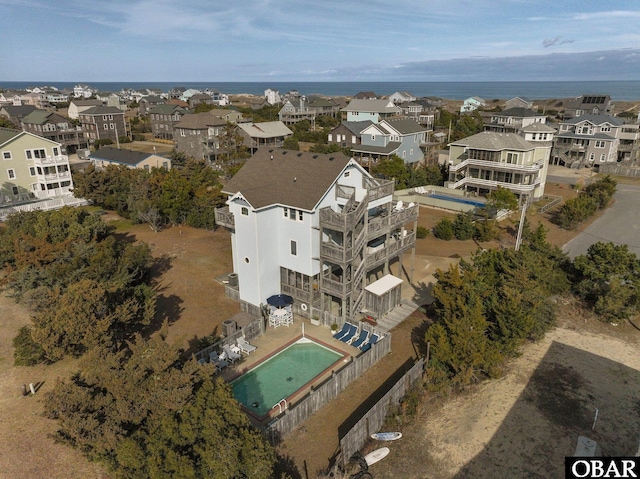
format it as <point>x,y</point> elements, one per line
<point>331,158</point>
<point>299,154</point>
<point>272,157</point>
<point>315,156</point>
<point>284,152</point>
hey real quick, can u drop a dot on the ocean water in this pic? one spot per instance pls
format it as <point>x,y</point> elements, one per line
<point>618,90</point>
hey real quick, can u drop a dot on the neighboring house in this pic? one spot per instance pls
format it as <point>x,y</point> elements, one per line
<point>147,103</point>
<point>200,99</point>
<point>518,102</point>
<point>513,120</point>
<point>400,137</point>
<point>15,114</point>
<point>57,128</point>
<point>11,98</point>
<point>57,96</point>
<point>116,101</point>
<point>316,227</point>
<point>372,110</point>
<point>348,133</point>
<point>220,99</point>
<point>188,94</point>
<point>103,122</point>
<point>272,96</point>
<point>232,116</point>
<point>82,91</point>
<point>587,105</point>
<point>483,162</point>
<point>587,140</point>
<point>106,156</point>
<point>76,107</point>
<point>402,97</point>
<point>32,168</point>
<point>197,135</point>
<point>325,106</point>
<point>365,95</point>
<point>265,134</point>
<point>472,104</point>
<point>162,119</point>
<point>296,109</point>
<point>39,100</point>
<point>629,146</point>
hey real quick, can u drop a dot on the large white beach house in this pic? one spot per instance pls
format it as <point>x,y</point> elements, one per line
<point>316,227</point>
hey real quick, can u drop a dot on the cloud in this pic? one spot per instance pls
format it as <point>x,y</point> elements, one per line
<point>556,41</point>
<point>610,14</point>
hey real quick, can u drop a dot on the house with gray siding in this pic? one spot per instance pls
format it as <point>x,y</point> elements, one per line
<point>400,137</point>
<point>163,118</point>
<point>348,133</point>
<point>371,110</point>
<point>513,120</point>
<point>197,135</point>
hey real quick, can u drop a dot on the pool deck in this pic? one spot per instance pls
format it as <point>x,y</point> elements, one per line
<point>276,339</point>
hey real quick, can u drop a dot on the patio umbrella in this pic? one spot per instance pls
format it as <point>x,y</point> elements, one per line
<point>279,300</point>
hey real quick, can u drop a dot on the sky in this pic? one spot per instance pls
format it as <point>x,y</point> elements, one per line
<point>319,40</point>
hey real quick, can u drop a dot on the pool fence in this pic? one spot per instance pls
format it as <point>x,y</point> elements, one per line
<point>322,394</point>
<point>375,418</point>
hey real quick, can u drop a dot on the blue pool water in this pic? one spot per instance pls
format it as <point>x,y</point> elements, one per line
<point>281,375</point>
<point>458,200</point>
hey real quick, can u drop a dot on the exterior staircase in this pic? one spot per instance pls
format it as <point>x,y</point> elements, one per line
<point>397,315</point>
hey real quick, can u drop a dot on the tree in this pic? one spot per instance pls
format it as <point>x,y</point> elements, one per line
<point>463,227</point>
<point>608,277</point>
<point>443,229</point>
<point>461,350</point>
<point>392,168</point>
<point>290,143</point>
<point>502,199</point>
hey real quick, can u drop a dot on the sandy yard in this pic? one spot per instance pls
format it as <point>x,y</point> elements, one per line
<point>458,438</point>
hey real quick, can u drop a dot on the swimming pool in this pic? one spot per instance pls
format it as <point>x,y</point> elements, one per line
<point>458,200</point>
<point>259,389</point>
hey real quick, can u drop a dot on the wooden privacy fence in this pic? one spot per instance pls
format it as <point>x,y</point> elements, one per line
<point>374,419</point>
<point>328,390</point>
<point>620,170</point>
<point>251,331</point>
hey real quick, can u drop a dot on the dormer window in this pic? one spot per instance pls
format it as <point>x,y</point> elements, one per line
<point>245,211</point>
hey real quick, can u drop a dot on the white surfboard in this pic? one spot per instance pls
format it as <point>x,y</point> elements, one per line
<point>386,436</point>
<point>376,455</point>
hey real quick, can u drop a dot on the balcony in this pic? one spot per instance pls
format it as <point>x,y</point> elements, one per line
<point>224,217</point>
<point>492,184</point>
<point>393,248</point>
<point>54,176</point>
<point>51,160</point>
<point>494,165</point>
<point>334,287</point>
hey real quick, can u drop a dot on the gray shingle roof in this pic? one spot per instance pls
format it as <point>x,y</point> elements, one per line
<point>199,121</point>
<point>356,127</point>
<point>167,109</point>
<point>381,150</point>
<point>376,106</point>
<point>286,177</point>
<point>116,155</point>
<point>266,129</point>
<point>37,117</point>
<point>490,140</point>
<point>538,126</point>
<point>518,112</point>
<point>103,110</point>
<point>595,119</point>
<point>404,126</point>
<point>7,134</point>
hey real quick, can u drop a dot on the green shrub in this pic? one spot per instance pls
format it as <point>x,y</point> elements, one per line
<point>27,352</point>
<point>422,232</point>
<point>443,229</point>
<point>463,227</point>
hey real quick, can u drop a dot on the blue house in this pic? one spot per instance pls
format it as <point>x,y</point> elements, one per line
<point>400,137</point>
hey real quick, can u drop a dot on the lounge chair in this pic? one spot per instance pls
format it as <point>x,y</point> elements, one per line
<point>244,346</point>
<point>343,331</point>
<point>230,354</point>
<point>219,362</point>
<point>364,334</point>
<point>373,339</point>
<point>350,334</point>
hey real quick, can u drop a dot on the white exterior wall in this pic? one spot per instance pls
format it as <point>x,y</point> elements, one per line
<point>363,116</point>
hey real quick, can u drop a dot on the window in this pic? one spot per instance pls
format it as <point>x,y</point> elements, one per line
<point>55,151</point>
<point>14,190</point>
<point>165,165</point>
<point>245,211</point>
<point>347,174</point>
<point>292,215</point>
<point>6,155</point>
<point>294,248</point>
<point>592,156</point>
<point>512,157</point>
<point>112,126</point>
<point>373,137</point>
<point>605,128</point>
<point>286,212</point>
<point>602,157</point>
<point>32,171</point>
<point>300,215</point>
<point>106,127</point>
<point>65,183</point>
<point>29,155</point>
<point>599,144</point>
<point>11,173</point>
<point>330,137</point>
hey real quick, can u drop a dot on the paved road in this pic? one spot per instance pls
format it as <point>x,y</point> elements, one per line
<point>619,224</point>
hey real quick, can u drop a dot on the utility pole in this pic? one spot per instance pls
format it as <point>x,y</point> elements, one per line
<point>525,202</point>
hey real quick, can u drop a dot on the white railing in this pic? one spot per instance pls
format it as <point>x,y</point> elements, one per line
<point>494,165</point>
<point>51,160</point>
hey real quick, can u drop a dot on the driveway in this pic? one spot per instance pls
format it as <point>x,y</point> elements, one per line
<point>619,224</point>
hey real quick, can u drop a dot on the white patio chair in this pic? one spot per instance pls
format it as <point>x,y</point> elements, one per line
<point>244,346</point>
